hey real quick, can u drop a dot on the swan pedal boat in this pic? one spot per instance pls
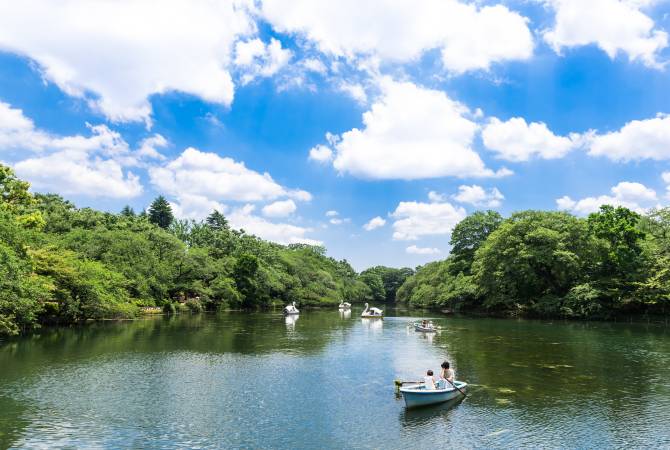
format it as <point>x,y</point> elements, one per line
<point>421,328</point>
<point>417,394</point>
<point>345,306</point>
<point>372,313</point>
<point>291,310</point>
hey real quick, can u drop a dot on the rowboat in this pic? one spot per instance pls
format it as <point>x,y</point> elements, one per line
<point>430,328</point>
<point>417,394</point>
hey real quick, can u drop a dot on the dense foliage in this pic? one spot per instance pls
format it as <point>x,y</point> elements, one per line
<point>552,264</point>
<point>62,264</point>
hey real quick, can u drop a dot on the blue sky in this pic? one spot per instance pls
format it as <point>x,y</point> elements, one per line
<point>371,127</point>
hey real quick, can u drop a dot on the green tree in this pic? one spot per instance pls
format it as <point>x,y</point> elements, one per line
<point>217,221</point>
<point>468,235</point>
<point>128,211</point>
<point>160,212</point>
<point>244,274</point>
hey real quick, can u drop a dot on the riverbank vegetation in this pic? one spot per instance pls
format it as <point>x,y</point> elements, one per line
<point>551,264</point>
<point>63,264</point>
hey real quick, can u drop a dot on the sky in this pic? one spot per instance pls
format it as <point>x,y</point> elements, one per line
<point>370,127</point>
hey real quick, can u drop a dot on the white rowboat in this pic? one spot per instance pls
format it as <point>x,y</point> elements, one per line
<point>417,395</point>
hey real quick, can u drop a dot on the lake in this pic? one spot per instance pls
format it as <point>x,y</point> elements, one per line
<point>325,380</point>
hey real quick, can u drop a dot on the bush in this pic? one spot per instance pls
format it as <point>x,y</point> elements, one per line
<point>169,308</point>
<point>195,306</point>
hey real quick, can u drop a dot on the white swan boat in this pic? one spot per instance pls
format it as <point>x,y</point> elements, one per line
<point>417,394</point>
<point>291,309</point>
<point>344,306</point>
<point>372,313</point>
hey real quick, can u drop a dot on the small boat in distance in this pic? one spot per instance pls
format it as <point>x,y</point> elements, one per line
<point>425,327</point>
<point>417,394</point>
<point>291,309</point>
<point>344,306</point>
<point>372,313</point>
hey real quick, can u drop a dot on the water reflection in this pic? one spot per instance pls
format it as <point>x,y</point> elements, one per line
<point>328,383</point>
<point>345,313</point>
<point>290,321</point>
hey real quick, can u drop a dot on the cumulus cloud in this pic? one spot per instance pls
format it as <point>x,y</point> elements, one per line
<point>478,196</point>
<point>149,147</point>
<point>416,219</point>
<point>195,207</point>
<point>638,139</point>
<point>91,166</point>
<point>201,173</point>
<point>321,153</point>
<point>410,133</point>
<point>117,54</point>
<point>374,223</point>
<point>332,213</point>
<point>613,25</point>
<point>258,59</point>
<point>282,233</point>
<point>469,37</point>
<point>634,196</point>
<point>414,250</point>
<point>516,140</point>
<point>280,208</point>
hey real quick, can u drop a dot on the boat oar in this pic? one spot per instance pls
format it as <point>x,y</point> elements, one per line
<point>399,383</point>
<point>456,387</point>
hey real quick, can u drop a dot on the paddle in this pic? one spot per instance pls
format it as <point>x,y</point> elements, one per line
<point>456,387</point>
<point>399,383</point>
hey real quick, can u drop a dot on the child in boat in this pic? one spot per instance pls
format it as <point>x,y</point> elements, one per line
<point>447,375</point>
<point>429,381</point>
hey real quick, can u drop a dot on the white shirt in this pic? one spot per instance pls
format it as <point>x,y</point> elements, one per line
<point>429,382</point>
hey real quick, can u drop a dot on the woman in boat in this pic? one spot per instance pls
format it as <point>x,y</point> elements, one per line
<point>429,381</point>
<point>447,375</point>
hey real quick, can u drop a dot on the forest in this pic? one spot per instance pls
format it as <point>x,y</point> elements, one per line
<point>61,264</point>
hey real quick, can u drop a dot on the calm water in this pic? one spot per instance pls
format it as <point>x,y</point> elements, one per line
<point>326,381</point>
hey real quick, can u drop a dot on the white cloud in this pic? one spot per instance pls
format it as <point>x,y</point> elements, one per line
<point>355,91</point>
<point>195,207</point>
<point>72,172</point>
<point>314,65</point>
<point>435,197</point>
<point>258,59</point>
<point>516,140</point>
<point>321,153</point>
<point>374,223</point>
<point>414,250</point>
<point>638,139</point>
<point>215,177</point>
<point>90,166</point>
<point>634,196</point>
<point>118,53</point>
<point>411,133</point>
<point>282,233</point>
<point>280,208</point>
<point>336,221</point>
<point>415,219</point>
<point>332,213</point>
<point>149,147</point>
<point>613,25</point>
<point>478,196</point>
<point>469,37</point>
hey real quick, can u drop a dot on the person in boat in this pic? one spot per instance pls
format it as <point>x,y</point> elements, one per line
<point>424,323</point>
<point>447,375</point>
<point>429,380</point>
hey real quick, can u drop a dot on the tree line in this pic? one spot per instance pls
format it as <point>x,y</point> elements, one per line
<point>63,264</point>
<point>615,262</point>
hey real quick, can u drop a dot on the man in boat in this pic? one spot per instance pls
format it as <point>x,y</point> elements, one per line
<point>447,376</point>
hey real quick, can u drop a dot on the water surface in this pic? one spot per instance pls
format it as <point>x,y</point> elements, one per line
<point>324,380</point>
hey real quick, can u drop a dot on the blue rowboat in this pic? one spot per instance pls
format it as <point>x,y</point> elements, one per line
<point>427,329</point>
<point>417,394</point>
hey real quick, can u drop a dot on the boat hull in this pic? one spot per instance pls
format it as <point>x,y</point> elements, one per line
<point>418,327</point>
<point>416,396</point>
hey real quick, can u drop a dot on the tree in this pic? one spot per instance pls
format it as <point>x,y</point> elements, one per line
<point>244,274</point>
<point>468,235</point>
<point>374,282</point>
<point>128,211</point>
<point>532,261</point>
<point>160,213</point>
<point>217,221</point>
